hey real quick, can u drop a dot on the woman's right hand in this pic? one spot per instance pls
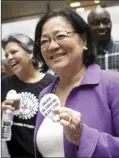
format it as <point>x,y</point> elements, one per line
<point>7,104</point>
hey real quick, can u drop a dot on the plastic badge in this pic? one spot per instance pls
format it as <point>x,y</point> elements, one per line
<point>47,103</point>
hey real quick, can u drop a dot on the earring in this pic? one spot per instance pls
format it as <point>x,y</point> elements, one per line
<point>85,48</point>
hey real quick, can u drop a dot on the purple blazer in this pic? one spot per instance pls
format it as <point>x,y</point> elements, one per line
<point>97,98</point>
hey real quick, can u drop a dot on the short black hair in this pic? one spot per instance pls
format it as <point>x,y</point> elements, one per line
<point>79,25</point>
<point>24,41</point>
<point>93,12</point>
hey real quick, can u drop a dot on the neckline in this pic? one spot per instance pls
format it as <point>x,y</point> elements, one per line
<point>40,80</point>
<point>57,82</point>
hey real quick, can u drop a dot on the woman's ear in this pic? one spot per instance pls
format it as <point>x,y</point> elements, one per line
<point>84,38</point>
<point>31,56</point>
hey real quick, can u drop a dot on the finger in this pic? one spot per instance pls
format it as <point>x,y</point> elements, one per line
<point>59,110</point>
<point>8,102</point>
<point>64,116</point>
<point>4,107</point>
<point>64,123</point>
<point>56,110</point>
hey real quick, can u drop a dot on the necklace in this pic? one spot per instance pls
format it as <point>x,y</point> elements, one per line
<point>56,84</point>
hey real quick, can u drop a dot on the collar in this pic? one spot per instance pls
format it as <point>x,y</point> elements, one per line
<point>107,47</point>
<point>92,75</point>
<point>109,44</point>
<point>50,88</point>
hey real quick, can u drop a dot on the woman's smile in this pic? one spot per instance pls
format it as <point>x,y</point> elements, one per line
<point>13,64</point>
<point>58,55</point>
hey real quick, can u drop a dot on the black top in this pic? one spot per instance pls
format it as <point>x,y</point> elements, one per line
<point>21,143</point>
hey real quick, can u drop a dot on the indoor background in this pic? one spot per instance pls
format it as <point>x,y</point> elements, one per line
<point>22,16</point>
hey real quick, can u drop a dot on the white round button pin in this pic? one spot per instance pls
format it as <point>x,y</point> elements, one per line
<point>47,103</point>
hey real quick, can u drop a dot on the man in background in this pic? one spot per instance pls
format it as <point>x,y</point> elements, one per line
<point>108,49</point>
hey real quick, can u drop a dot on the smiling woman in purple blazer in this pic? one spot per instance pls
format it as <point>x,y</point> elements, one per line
<point>89,96</point>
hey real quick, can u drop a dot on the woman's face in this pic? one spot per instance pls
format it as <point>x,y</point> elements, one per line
<point>61,46</point>
<point>17,58</point>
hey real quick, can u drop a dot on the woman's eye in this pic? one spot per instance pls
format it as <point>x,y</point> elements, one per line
<point>44,42</point>
<point>6,55</point>
<point>13,52</point>
<point>60,36</point>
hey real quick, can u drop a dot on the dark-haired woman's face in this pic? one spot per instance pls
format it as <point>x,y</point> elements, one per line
<point>17,58</point>
<point>61,46</point>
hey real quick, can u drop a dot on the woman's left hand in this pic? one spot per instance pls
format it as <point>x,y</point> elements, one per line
<point>71,120</point>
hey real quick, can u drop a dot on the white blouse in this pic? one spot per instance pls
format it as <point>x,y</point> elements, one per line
<point>49,139</point>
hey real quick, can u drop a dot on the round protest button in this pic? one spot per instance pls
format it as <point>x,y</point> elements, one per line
<point>47,103</point>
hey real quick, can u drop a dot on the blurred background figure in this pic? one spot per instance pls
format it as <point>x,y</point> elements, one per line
<point>28,81</point>
<point>5,69</point>
<point>108,49</point>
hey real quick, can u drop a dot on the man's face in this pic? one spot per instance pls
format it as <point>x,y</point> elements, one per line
<point>101,24</point>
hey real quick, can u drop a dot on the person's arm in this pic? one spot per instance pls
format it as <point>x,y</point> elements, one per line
<point>98,144</point>
<point>94,143</point>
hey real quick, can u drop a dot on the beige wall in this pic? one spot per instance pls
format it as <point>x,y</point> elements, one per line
<point>28,26</point>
